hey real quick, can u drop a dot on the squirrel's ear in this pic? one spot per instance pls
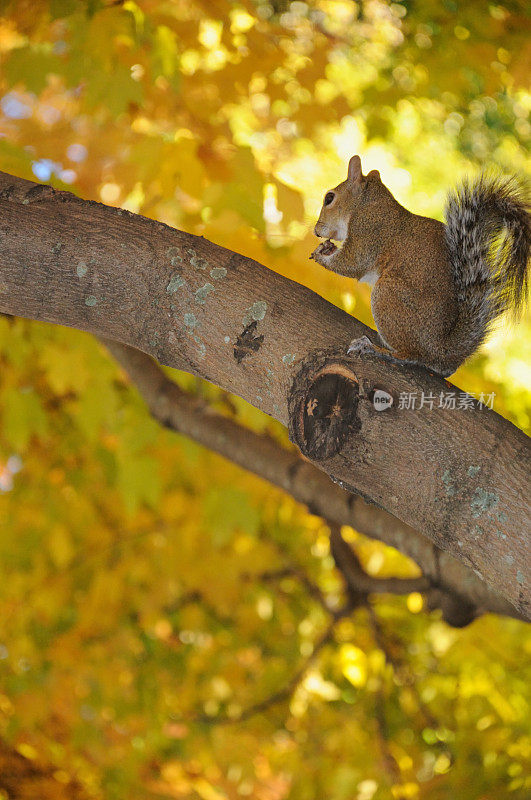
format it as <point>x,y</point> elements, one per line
<point>374,174</point>
<point>354,169</point>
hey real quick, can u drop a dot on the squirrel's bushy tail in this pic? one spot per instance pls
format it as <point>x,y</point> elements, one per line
<point>488,233</point>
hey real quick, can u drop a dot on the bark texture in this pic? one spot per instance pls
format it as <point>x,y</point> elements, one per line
<point>459,476</point>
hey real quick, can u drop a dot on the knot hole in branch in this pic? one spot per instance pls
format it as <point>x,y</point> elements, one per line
<point>323,410</point>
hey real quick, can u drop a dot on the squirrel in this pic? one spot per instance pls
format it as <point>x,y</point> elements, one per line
<point>437,288</point>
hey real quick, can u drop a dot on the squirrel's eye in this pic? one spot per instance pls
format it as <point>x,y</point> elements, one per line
<point>329,196</point>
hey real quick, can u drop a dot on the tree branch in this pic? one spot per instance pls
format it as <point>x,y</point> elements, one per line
<point>460,477</point>
<point>179,411</point>
<point>287,689</point>
<point>358,581</point>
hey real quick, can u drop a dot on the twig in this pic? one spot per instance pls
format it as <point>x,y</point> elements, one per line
<point>287,689</point>
<point>401,669</point>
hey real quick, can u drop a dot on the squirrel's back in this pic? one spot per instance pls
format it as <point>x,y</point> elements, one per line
<point>438,287</point>
<point>488,235</point>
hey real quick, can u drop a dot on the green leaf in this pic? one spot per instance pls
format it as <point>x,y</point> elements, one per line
<point>226,510</point>
<point>115,90</point>
<point>63,8</point>
<point>138,481</point>
<point>244,193</point>
<point>165,55</point>
<point>63,372</point>
<point>31,66</point>
<point>23,417</point>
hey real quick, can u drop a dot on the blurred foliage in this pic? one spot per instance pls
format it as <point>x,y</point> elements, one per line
<point>140,614</point>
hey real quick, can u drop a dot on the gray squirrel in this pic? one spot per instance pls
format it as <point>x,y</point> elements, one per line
<point>438,288</point>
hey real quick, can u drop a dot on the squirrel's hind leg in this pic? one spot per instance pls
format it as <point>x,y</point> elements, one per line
<point>364,346</point>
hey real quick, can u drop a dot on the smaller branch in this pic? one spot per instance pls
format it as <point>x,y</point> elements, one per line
<point>456,611</point>
<point>196,597</point>
<point>270,575</point>
<point>357,580</point>
<point>291,572</point>
<point>389,763</point>
<point>298,571</point>
<point>287,690</point>
<point>403,672</point>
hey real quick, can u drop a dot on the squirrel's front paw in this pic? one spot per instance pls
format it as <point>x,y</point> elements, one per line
<point>360,346</point>
<point>322,252</point>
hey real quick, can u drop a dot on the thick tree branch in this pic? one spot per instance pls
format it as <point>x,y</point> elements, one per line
<point>460,477</point>
<point>179,411</point>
